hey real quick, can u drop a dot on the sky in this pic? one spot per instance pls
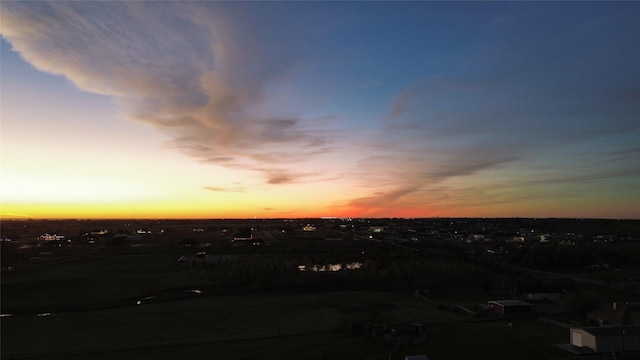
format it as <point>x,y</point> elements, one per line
<point>148,109</point>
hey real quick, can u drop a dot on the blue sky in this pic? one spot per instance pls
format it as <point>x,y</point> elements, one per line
<point>353,108</point>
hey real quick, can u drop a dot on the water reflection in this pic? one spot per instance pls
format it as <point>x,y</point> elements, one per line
<point>331,267</point>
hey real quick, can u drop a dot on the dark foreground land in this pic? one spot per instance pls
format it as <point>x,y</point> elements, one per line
<point>308,289</point>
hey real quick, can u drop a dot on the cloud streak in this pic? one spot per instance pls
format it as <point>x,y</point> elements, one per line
<point>182,68</point>
<point>225,189</point>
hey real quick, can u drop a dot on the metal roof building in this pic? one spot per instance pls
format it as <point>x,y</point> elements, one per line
<point>606,339</point>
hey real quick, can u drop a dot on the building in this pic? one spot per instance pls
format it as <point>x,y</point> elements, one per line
<point>505,307</point>
<point>309,227</point>
<point>607,339</point>
<point>244,234</point>
<point>49,237</point>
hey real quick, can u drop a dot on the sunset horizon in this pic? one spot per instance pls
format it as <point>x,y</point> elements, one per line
<point>214,110</point>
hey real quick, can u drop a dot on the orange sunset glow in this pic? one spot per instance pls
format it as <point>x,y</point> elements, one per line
<point>284,110</point>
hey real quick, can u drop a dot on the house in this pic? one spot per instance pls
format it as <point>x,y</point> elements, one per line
<point>607,339</point>
<point>505,307</point>
<point>309,227</point>
<point>49,237</point>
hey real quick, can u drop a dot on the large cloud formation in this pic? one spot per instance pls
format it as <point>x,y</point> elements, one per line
<point>507,105</point>
<point>183,68</point>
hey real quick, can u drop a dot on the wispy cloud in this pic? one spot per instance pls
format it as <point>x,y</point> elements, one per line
<point>497,127</point>
<point>503,109</point>
<point>183,68</point>
<point>225,189</point>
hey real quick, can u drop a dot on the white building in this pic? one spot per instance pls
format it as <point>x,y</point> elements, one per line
<point>607,339</point>
<point>49,237</point>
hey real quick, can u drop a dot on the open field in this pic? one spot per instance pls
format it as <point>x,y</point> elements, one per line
<point>78,298</point>
<point>81,282</point>
<point>94,316</point>
<point>269,326</point>
<point>217,319</point>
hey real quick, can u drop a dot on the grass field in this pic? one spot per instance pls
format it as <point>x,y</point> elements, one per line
<point>269,326</point>
<point>93,316</point>
<point>81,281</point>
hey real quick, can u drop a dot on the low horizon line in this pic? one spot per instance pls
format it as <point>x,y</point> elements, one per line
<point>317,218</point>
